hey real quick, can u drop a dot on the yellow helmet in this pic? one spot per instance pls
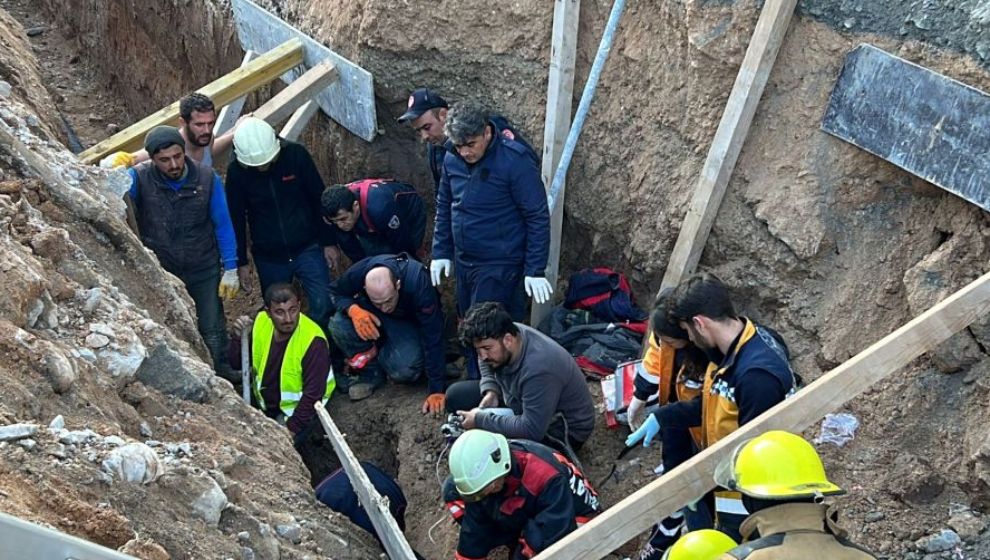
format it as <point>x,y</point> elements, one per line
<point>706,544</point>
<point>775,465</point>
<point>477,459</point>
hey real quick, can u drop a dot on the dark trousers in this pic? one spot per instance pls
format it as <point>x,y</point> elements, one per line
<point>465,395</point>
<point>475,284</point>
<point>310,267</point>
<point>400,350</point>
<point>202,286</point>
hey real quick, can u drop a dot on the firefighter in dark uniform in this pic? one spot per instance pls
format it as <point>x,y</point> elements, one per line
<point>782,481</point>
<point>514,493</point>
<point>375,217</point>
<point>389,322</point>
<point>492,219</point>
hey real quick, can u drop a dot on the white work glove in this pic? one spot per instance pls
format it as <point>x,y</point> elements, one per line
<point>633,412</point>
<point>538,288</point>
<point>438,269</point>
<point>229,284</point>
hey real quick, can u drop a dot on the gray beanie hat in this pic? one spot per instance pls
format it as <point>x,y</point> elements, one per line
<point>161,137</point>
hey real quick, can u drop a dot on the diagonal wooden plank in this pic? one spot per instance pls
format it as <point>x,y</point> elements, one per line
<point>296,94</point>
<point>298,121</point>
<point>377,507</point>
<point>682,485</point>
<point>560,97</point>
<point>240,82</point>
<point>923,122</point>
<point>729,138</point>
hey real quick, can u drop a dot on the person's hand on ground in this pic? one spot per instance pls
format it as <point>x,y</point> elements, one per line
<point>365,322</point>
<point>489,400</point>
<point>538,288</point>
<point>646,432</point>
<point>438,269</point>
<point>229,284</point>
<point>434,404</point>
<point>467,418</point>
<point>244,276</point>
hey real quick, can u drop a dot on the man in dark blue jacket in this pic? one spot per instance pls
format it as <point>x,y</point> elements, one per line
<point>492,218</point>
<point>389,318</point>
<point>426,112</point>
<point>375,217</point>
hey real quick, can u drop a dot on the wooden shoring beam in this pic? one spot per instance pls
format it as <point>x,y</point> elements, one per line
<point>729,138</point>
<point>693,478</point>
<point>385,525</point>
<point>296,94</point>
<point>241,81</point>
<point>560,98</point>
<point>298,121</point>
<point>232,111</point>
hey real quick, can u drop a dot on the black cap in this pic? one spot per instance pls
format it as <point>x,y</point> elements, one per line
<point>421,101</point>
<point>162,137</point>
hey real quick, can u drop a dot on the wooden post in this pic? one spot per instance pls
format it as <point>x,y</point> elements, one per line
<point>304,88</point>
<point>232,111</point>
<point>729,138</point>
<point>560,96</point>
<point>693,478</point>
<point>388,530</point>
<point>298,121</point>
<point>238,83</point>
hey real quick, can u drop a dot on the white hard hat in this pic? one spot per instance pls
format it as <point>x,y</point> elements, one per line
<point>255,143</point>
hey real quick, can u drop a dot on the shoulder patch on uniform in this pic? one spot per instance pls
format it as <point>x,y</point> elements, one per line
<point>394,223</point>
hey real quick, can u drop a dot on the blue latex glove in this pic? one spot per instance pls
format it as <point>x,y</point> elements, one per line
<point>648,430</point>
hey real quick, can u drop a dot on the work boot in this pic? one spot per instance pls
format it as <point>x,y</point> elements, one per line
<point>365,385</point>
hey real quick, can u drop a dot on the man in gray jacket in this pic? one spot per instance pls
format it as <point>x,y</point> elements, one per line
<point>526,371</point>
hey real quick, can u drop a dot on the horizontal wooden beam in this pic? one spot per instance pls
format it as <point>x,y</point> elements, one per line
<point>241,81</point>
<point>377,507</point>
<point>693,478</point>
<point>296,94</point>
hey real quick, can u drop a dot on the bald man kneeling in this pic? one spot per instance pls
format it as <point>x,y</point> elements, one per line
<point>389,322</point>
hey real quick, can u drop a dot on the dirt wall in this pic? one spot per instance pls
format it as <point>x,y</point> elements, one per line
<point>830,245</point>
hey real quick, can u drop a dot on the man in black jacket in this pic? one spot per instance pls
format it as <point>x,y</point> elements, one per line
<point>274,184</point>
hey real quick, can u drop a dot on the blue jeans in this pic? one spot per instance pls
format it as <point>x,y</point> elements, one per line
<point>202,286</point>
<point>310,267</point>
<point>400,350</point>
<point>475,284</point>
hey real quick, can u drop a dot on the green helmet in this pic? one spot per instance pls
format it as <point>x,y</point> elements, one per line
<point>705,544</point>
<point>477,459</point>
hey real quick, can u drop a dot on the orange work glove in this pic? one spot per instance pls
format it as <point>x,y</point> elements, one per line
<point>434,404</point>
<point>365,322</point>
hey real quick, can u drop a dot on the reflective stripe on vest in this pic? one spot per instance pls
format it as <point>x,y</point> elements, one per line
<point>730,502</point>
<point>290,372</point>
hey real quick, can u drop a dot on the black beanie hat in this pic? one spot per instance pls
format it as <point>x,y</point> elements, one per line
<point>162,137</point>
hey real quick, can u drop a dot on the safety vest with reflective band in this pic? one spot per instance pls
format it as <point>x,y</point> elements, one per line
<point>754,349</point>
<point>659,363</point>
<point>291,373</point>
